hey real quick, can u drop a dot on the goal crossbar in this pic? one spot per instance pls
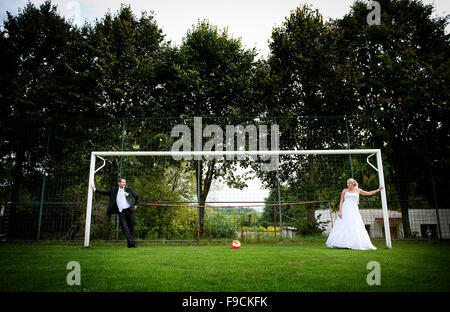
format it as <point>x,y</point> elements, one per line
<point>371,152</point>
<point>237,153</point>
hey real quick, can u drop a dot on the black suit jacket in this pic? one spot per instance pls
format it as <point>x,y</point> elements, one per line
<point>112,207</point>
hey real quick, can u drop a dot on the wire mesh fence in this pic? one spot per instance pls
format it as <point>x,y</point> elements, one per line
<point>65,221</point>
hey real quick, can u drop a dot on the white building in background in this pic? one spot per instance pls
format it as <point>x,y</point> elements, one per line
<point>423,222</point>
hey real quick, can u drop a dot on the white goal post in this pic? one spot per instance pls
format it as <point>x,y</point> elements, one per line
<point>370,152</point>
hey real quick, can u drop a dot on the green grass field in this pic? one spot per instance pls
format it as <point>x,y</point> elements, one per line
<point>306,265</point>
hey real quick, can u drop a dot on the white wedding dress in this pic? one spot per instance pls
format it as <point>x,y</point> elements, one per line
<point>349,231</point>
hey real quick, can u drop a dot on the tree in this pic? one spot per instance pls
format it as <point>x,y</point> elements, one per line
<point>37,52</point>
<point>306,80</point>
<point>306,76</point>
<point>211,76</point>
<point>401,86</point>
<point>165,182</point>
<point>125,51</point>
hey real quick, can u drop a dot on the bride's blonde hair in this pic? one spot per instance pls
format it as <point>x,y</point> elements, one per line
<point>353,181</point>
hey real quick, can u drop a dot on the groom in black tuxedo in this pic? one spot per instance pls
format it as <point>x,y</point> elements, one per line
<point>121,203</point>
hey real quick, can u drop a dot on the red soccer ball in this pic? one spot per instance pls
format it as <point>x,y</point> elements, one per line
<point>236,244</point>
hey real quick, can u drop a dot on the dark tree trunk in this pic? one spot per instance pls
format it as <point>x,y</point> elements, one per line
<point>310,209</point>
<point>205,185</point>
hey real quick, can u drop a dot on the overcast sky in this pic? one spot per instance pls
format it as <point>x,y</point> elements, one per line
<point>250,20</point>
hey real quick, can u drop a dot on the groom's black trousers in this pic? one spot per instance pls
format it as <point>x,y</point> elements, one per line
<point>126,220</point>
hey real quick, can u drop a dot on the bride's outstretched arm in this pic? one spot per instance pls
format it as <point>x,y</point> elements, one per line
<point>362,192</point>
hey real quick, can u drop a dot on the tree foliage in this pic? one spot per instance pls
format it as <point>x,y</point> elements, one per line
<point>401,86</point>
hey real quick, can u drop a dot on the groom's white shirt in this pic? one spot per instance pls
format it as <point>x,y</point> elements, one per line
<point>121,200</point>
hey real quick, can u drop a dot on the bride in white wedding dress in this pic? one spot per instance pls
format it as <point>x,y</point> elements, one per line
<point>348,230</point>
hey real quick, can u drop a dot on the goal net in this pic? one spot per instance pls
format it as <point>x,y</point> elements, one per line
<point>187,195</point>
